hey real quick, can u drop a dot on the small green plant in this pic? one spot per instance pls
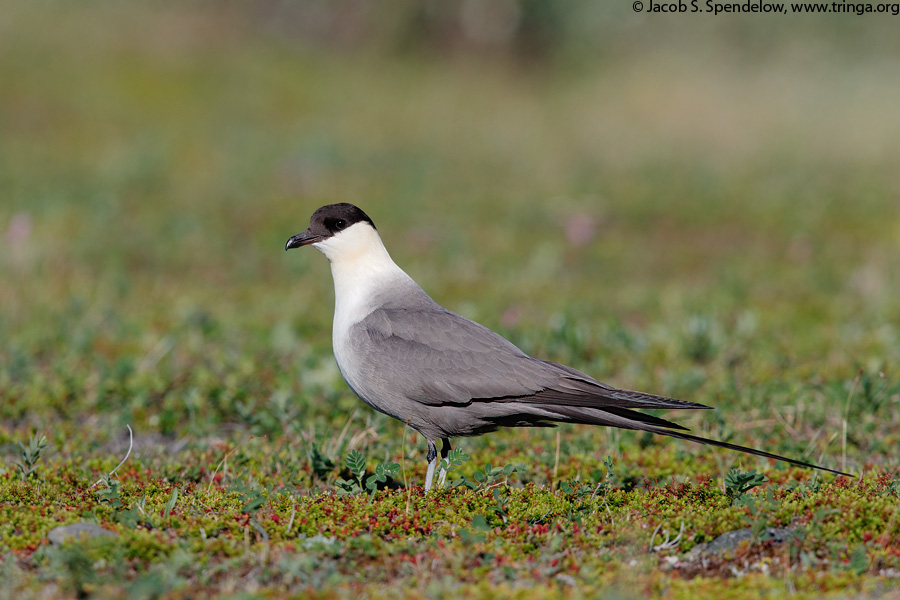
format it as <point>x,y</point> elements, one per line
<point>476,533</point>
<point>859,561</point>
<point>170,505</point>
<point>75,568</point>
<point>604,482</point>
<point>482,479</point>
<point>892,488</point>
<point>501,504</point>
<point>491,474</point>
<point>356,463</point>
<point>604,485</point>
<point>738,483</point>
<point>805,539</point>
<point>31,455</point>
<point>320,463</point>
<point>455,458</point>
<point>251,497</point>
<point>579,491</point>
<point>813,486</point>
<point>761,511</point>
<point>110,495</point>
<point>382,472</point>
<point>136,515</point>
<point>250,494</point>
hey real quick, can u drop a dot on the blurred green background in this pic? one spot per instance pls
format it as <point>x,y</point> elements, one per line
<point>704,207</point>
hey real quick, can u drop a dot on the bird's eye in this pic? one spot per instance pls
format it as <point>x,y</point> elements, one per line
<point>340,224</point>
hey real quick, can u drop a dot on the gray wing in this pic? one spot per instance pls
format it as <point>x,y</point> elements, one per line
<point>436,357</point>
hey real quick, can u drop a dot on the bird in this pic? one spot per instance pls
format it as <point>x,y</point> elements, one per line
<point>446,376</point>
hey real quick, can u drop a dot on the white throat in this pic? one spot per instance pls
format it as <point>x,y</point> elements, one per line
<point>361,268</point>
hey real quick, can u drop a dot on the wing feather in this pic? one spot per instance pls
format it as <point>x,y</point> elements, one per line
<point>437,357</point>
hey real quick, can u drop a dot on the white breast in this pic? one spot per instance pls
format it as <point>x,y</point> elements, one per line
<point>362,270</point>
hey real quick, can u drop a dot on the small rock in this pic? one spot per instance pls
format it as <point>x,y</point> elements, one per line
<point>76,531</point>
<point>728,542</point>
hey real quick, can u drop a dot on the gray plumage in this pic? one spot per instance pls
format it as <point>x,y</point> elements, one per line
<point>447,376</point>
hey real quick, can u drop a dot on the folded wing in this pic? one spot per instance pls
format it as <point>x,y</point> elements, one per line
<point>437,357</point>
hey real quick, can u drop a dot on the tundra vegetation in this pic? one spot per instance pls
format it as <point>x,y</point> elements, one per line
<point>666,207</point>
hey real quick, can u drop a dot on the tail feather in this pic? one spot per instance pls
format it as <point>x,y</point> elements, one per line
<point>608,416</point>
<point>587,394</point>
<point>631,419</point>
<point>745,449</point>
<point>574,388</point>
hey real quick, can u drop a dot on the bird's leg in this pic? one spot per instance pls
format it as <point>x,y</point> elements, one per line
<point>445,450</point>
<point>431,457</point>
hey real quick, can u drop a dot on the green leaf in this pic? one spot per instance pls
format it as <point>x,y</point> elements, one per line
<point>738,482</point>
<point>610,471</point>
<point>258,527</point>
<point>859,562</point>
<point>356,462</point>
<point>479,523</point>
<point>382,472</point>
<point>345,486</point>
<point>455,458</point>
<point>31,455</point>
<point>321,464</point>
<point>468,537</point>
<point>173,498</point>
<point>253,505</point>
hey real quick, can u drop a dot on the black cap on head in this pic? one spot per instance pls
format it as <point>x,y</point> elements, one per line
<point>327,221</point>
